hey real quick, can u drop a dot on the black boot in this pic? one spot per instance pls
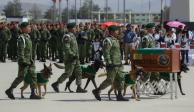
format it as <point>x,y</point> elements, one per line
<point>55,87</point>
<point>80,90</point>
<point>33,95</point>
<point>9,93</point>
<point>120,97</point>
<point>68,87</point>
<point>96,93</point>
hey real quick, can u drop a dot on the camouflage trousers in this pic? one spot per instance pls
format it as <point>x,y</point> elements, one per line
<point>22,71</point>
<point>71,69</point>
<point>113,75</point>
<point>3,49</point>
<point>43,50</point>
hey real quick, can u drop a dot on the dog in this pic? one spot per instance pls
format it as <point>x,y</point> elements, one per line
<point>88,72</point>
<point>129,80</point>
<point>42,79</point>
<point>165,76</point>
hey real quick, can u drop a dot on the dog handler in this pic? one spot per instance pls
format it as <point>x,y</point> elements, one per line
<point>71,59</point>
<point>112,55</point>
<point>25,62</point>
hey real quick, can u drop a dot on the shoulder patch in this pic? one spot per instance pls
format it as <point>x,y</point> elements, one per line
<point>107,41</point>
<point>21,39</point>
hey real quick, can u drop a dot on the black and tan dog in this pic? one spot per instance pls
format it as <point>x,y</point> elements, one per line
<point>129,80</point>
<point>88,72</point>
<point>42,79</point>
<point>165,76</point>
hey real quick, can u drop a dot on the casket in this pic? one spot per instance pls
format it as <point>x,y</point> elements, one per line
<point>156,60</point>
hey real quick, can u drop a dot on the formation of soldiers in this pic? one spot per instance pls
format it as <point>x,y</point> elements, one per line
<point>75,44</point>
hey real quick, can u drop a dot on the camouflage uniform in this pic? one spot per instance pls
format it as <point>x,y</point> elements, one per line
<point>60,33</point>
<point>112,55</point>
<point>13,43</point>
<point>4,38</point>
<point>26,65</point>
<point>34,35</point>
<point>148,41</point>
<point>71,62</point>
<point>45,36</point>
<point>52,43</point>
<point>81,39</point>
<point>90,35</point>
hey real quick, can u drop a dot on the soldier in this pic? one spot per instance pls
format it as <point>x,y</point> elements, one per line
<point>112,55</point>
<point>13,42</point>
<point>45,36</point>
<point>53,41</point>
<point>148,41</point>
<point>34,35</point>
<point>60,32</point>
<point>25,62</point>
<point>5,36</point>
<point>38,44</point>
<point>81,39</point>
<point>71,60</point>
<point>90,35</point>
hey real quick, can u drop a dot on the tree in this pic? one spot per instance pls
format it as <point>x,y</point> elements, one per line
<point>13,8</point>
<point>36,12</point>
<point>85,11</point>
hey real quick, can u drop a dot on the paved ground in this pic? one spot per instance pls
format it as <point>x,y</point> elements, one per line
<point>74,102</point>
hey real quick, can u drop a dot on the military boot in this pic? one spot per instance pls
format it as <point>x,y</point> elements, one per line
<point>33,95</point>
<point>9,93</point>
<point>96,93</point>
<point>80,90</point>
<point>120,97</point>
<point>55,87</point>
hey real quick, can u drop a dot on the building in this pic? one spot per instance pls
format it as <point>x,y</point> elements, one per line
<point>182,10</point>
<point>130,17</point>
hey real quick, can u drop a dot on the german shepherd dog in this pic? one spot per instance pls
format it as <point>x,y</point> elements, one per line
<point>129,80</point>
<point>86,73</point>
<point>183,68</point>
<point>42,79</point>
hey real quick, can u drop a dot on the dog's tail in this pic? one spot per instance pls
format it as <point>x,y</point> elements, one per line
<point>59,66</point>
<point>102,75</point>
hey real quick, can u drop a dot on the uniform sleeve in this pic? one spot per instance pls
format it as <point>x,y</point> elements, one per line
<point>66,41</point>
<point>106,51</point>
<point>20,50</point>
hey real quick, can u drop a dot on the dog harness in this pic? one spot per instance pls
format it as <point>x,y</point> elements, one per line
<point>127,79</point>
<point>88,69</point>
<point>40,78</point>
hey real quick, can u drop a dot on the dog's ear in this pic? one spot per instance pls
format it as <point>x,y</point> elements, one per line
<point>50,65</point>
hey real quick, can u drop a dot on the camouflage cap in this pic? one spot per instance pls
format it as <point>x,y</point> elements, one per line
<point>71,25</point>
<point>24,24</point>
<point>113,28</point>
<point>150,25</point>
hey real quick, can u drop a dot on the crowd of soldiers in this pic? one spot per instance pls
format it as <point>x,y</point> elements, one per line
<point>46,40</point>
<point>75,44</point>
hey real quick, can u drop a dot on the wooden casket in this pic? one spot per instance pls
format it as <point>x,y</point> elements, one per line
<point>156,60</point>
